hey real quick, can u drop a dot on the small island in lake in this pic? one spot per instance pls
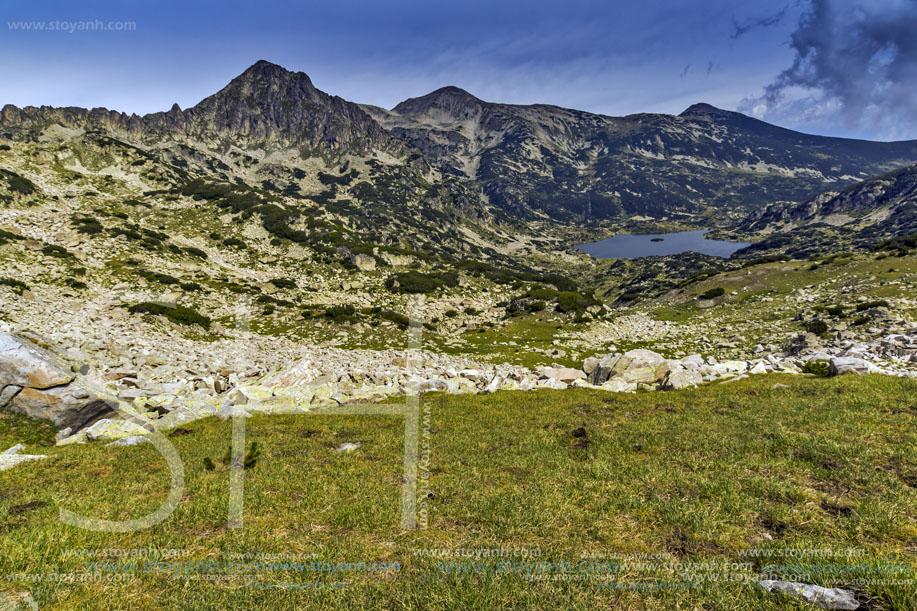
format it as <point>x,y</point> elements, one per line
<point>658,240</point>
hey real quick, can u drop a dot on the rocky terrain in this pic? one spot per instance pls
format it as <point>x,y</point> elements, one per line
<point>866,214</point>
<point>267,249</point>
<point>705,163</point>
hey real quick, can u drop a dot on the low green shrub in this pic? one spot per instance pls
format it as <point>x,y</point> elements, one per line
<point>7,236</point>
<point>713,293</point>
<point>181,315</point>
<point>341,313</point>
<point>158,277</point>
<point>17,285</point>
<point>234,243</point>
<point>817,326</point>
<point>816,367</point>
<point>568,301</point>
<point>284,283</point>
<point>58,252</point>
<point>399,319</point>
<point>88,225</point>
<point>868,305</point>
<point>195,252</point>
<point>18,184</point>
<point>420,283</point>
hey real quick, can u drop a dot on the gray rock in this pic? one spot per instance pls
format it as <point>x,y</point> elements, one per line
<point>826,598</point>
<point>364,262</point>
<point>134,440</point>
<point>566,375</point>
<point>677,380</point>
<point>848,364</point>
<point>638,366</point>
<point>25,364</point>
<point>47,388</point>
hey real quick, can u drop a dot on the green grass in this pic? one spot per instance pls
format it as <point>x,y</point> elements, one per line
<point>530,332</point>
<point>695,476</point>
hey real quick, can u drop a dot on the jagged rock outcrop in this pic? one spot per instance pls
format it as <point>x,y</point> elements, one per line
<point>36,382</point>
<point>264,106</point>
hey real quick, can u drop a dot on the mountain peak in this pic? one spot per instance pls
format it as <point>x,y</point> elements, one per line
<point>263,70</point>
<point>703,109</point>
<point>269,104</point>
<point>451,99</point>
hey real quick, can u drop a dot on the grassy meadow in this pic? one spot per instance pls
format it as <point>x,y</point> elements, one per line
<point>674,500</point>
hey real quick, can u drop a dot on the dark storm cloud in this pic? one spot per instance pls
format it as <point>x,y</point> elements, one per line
<point>764,22</point>
<point>855,64</point>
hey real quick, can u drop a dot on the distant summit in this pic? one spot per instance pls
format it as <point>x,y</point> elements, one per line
<point>451,100</point>
<point>706,110</point>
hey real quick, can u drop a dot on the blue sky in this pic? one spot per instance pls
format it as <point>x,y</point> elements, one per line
<point>608,57</point>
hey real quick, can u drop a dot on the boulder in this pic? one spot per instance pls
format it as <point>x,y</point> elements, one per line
<point>364,262</point>
<point>567,375</point>
<point>634,366</point>
<point>677,380</point>
<point>24,363</point>
<point>641,375</point>
<point>848,364</point>
<point>826,598</point>
<point>37,382</point>
<point>112,430</point>
<point>759,368</point>
<point>618,385</point>
<point>604,369</point>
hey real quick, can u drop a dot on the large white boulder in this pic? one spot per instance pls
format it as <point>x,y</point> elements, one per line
<point>849,365</point>
<point>36,382</point>
<point>567,375</point>
<point>638,366</point>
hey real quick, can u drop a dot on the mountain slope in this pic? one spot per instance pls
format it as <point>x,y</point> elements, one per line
<point>575,165</point>
<point>860,216</point>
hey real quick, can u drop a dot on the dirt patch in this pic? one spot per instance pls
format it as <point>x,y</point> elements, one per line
<point>836,510</point>
<point>31,506</point>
